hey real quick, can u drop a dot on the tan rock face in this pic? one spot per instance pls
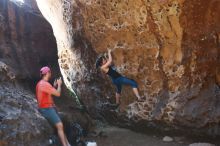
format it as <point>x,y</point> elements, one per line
<point>170,47</point>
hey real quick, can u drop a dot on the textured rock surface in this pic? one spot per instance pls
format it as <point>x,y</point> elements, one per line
<point>76,56</point>
<point>22,30</point>
<point>26,39</point>
<point>171,47</point>
<point>20,122</point>
<point>26,44</point>
<point>23,50</point>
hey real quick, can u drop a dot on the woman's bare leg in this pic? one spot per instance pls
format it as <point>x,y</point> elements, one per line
<point>135,90</point>
<point>118,98</point>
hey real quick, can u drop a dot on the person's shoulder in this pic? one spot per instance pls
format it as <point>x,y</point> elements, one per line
<point>102,68</point>
<point>47,83</point>
<point>39,82</point>
<point>44,83</point>
<point>105,69</point>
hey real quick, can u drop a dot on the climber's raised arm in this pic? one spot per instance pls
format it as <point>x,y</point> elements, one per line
<point>118,80</point>
<point>109,60</point>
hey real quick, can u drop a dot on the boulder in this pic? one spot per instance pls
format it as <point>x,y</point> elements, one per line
<point>21,123</point>
<point>171,48</point>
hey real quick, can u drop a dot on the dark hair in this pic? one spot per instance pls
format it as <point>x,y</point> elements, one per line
<point>99,60</point>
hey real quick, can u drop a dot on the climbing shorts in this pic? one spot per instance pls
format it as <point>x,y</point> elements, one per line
<point>50,114</point>
<point>118,82</point>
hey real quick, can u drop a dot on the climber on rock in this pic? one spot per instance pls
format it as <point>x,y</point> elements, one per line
<point>105,64</point>
<point>44,93</point>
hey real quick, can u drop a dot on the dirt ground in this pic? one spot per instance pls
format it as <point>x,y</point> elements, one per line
<point>114,136</point>
<point>122,137</point>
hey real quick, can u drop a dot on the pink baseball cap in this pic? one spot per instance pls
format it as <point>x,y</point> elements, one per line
<point>44,70</point>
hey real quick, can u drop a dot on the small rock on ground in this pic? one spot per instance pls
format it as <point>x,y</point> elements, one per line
<point>167,139</point>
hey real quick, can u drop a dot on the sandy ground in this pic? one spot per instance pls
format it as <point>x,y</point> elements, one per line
<point>123,137</point>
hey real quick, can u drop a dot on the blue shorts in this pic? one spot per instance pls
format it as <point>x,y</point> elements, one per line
<point>118,82</point>
<point>50,114</point>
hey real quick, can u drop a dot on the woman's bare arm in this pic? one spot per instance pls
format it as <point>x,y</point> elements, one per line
<point>109,61</point>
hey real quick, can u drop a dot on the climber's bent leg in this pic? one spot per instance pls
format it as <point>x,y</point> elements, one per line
<point>133,84</point>
<point>118,92</point>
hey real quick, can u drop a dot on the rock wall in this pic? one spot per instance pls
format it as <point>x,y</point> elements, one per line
<point>76,56</point>
<point>170,47</point>
<point>26,44</point>
<point>21,123</point>
<point>26,39</point>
